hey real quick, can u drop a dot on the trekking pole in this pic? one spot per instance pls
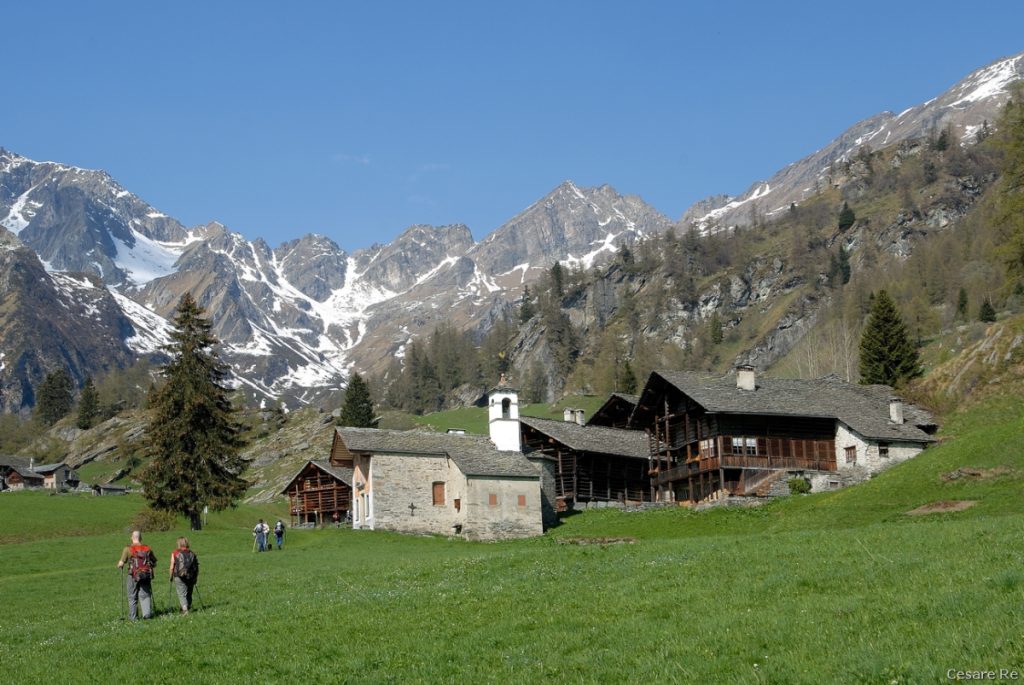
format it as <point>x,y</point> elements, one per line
<point>199,596</point>
<point>124,595</point>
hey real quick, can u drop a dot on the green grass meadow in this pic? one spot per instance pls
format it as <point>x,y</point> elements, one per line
<point>840,587</point>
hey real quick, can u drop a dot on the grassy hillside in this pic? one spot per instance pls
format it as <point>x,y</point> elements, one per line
<point>837,587</point>
<point>474,419</point>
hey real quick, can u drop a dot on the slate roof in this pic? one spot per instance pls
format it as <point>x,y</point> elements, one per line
<point>341,473</point>
<point>48,468</point>
<point>864,408</point>
<point>616,399</point>
<point>599,439</point>
<point>474,455</point>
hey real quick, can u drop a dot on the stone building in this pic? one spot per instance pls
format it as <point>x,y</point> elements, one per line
<point>714,437</point>
<point>446,484</point>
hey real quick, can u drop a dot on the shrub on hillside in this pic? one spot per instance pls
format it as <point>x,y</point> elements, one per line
<point>154,520</point>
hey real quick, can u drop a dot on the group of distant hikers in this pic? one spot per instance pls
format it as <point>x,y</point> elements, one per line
<point>261,536</point>
<point>183,573</point>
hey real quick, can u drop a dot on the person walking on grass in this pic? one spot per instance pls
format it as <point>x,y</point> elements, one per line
<point>260,531</point>
<point>184,573</point>
<point>139,581</point>
<point>279,533</point>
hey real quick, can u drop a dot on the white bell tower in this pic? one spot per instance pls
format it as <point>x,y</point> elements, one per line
<point>503,416</point>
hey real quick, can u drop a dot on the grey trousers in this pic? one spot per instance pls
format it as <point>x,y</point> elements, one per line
<point>139,592</point>
<point>184,591</point>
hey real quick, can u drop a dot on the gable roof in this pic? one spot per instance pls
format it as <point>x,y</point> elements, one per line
<point>474,455</point>
<point>864,408</point>
<point>48,468</point>
<point>345,475</point>
<point>618,403</point>
<point>599,439</point>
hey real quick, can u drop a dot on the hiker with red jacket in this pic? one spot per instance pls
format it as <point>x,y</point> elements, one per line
<point>139,586</point>
<point>184,572</point>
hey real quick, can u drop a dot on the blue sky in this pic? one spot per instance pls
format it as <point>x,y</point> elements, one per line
<point>356,120</point>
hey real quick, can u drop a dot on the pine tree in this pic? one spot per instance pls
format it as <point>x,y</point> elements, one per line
<point>1010,189</point>
<point>557,280</point>
<point>844,266</point>
<point>357,411</point>
<point>887,354</point>
<point>715,326</point>
<point>846,217</point>
<point>628,379</point>
<point>88,405</point>
<point>961,304</point>
<point>526,310</point>
<point>54,397</point>
<point>987,313</point>
<point>192,438</point>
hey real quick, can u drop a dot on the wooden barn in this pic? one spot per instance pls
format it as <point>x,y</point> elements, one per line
<point>320,492</point>
<point>592,463</point>
<point>615,412</point>
<point>710,437</point>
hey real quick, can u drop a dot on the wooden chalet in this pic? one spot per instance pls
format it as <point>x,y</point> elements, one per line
<point>16,473</point>
<point>615,412</point>
<point>592,463</point>
<point>318,491</point>
<point>735,436</point>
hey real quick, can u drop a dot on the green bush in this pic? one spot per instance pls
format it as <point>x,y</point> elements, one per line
<point>154,520</point>
<point>798,485</point>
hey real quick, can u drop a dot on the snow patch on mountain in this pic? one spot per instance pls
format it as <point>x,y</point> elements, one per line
<point>152,331</point>
<point>21,213</point>
<point>989,82</point>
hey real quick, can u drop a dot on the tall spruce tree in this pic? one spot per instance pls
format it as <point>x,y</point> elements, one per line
<point>192,438</point>
<point>88,405</point>
<point>54,397</point>
<point>846,218</point>
<point>357,410</point>
<point>987,313</point>
<point>887,354</point>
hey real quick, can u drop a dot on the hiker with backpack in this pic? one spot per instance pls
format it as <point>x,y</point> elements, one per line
<point>261,531</point>
<point>138,584</point>
<point>184,573</point>
<point>279,533</point>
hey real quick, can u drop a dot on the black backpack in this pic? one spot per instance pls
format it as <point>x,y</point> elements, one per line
<point>186,566</point>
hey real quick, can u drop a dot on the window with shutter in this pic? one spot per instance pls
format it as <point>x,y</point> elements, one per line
<point>438,493</point>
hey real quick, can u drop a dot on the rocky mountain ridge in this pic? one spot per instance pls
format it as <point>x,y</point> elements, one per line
<point>295,319</point>
<point>965,109</point>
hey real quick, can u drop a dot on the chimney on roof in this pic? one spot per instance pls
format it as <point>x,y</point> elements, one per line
<point>31,463</point>
<point>580,417</point>
<point>745,377</point>
<point>895,410</point>
<point>569,415</point>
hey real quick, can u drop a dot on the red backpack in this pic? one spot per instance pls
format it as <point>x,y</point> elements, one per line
<point>141,562</point>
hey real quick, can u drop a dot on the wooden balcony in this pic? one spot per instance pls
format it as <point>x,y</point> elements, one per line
<point>766,454</point>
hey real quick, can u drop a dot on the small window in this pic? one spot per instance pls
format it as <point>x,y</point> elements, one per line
<point>883,450</point>
<point>438,488</point>
<point>707,448</point>
<point>522,501</point>
<point>492,499</point>
<point>751,446</point>
<point>851,454</point>
<point>506,408</point>
<point>458,504</point>
<point>833,484</point>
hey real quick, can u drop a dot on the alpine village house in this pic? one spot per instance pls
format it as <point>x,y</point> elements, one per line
<point>686,438</point>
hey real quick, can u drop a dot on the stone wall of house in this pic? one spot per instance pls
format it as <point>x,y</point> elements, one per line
<point>494,510</point>
<point>548,492</point>
<point>869,458</point>
<point>399,481</point>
